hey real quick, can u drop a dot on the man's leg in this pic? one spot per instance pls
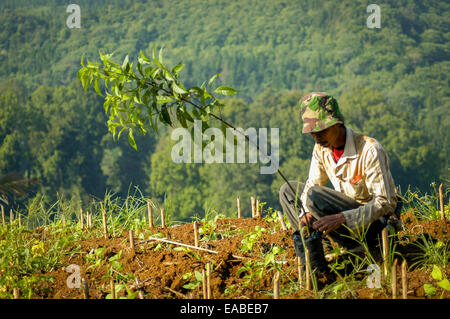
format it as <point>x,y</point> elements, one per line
<point>287,200</point>
<point>323,201</point>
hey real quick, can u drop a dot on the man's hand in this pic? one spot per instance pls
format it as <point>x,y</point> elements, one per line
<point>329,223</point>
<point>310,217</point>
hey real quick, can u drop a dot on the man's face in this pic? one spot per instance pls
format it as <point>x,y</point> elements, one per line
<point>328,137</point>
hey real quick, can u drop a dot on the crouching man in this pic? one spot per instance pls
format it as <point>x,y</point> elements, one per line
<point>357,166</point>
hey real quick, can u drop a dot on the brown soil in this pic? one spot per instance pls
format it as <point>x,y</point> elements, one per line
<point>160,272</point>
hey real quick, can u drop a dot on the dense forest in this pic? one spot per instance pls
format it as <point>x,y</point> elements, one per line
<point>391,83</point>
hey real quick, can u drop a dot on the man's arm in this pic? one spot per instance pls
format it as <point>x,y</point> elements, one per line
<point>380,185</point>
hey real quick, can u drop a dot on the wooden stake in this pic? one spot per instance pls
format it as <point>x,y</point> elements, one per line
<point>258,208</point>
<point>163,219</point>
<point>208,281</point>
<point>81,218</point>
<point>195,234</point>
<point>253,206</point>
<point>394,279</point>
<point>300,272</point>
<point>20,219</point>
<point>139,287</point>
<point>3,215</point>
<point>238,200</point>
<point>276,285</point>
<point>105,226</point>
<point>113,289</point>
<point>204,284</point>
<point>280,218</point>
<point>149,214</point>
<point>404,279</point>
<point>131,233</point>
<point>441,201</point>
<point>89,220</point>
<point>384,238</point>
<point>11,216</point>
<point>16,293</point>
<point>85,288</point>
<point>308,270</point>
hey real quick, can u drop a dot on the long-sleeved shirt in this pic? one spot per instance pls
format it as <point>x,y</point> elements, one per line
<point>361,173</point>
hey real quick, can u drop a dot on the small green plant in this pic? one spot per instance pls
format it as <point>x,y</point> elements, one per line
<point>251,239</point>
<point>96,258</point>
<point>436,274</point>
<point>197,279</point>
<point>431,252</point>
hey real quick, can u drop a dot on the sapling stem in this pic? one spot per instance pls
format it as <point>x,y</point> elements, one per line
<point>149,214</point>
<point>11,216</point>
<point>81,218</point>
<point>385,242</point>
<point>404,279</point>
<point>195,233</point>
<point>105,226</point>
<point>204,284</point>
<point>238,201</point>
<point>276,285</point>
<point>252,199</point>
<point>208,281</point>
<point>163,219</point>
<point>394,279</point>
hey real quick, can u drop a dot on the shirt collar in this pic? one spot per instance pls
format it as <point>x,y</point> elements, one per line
<point>350,149</point>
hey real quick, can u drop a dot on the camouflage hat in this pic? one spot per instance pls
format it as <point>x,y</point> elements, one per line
<point>319,111</point>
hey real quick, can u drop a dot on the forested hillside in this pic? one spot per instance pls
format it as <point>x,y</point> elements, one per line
<point>391,83</point>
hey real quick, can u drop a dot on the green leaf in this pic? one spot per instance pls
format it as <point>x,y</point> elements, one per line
<point>436,273</point>
<point>160,99</point>
<point>165,116</point>
<point>430,290</point>
<point>198,276</point>
<point>131,139</point>
<point>181,119</point>
<point>96,87</point>
<point>125,62</point>
<point>225,90</point>
<point>168,76</point>
<point>176,70</point>
<point>211,80</point>
<point>191,285</point>
<point>445,284</point>
<point>178,89</point>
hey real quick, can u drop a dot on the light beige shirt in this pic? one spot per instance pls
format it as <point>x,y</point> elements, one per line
<point>362,173</point>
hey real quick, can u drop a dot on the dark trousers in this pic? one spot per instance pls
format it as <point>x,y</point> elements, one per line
<point>322,201</point>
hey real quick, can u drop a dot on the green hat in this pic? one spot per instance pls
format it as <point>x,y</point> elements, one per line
<point>319,111</point>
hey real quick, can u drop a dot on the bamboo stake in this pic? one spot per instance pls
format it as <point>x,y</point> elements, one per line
<point>3,215</point>
<point>89,220</point>
<point>238,200</point>
<point>20,219</point>
<point>300,272</point>
<point>196,234</point>
<point>139,287</point>
<point>113,289</point>
<point>208,280</point>
<point>276,285</point>
<point>441,201</point>
<point>163,219</point>
<point>394,279</point>
<point>404,279</point>
<point>105,226</point>
<point>258,208</point>
<point>85,288</point>
<point>149,214</point>
<point>280,218</point>
<point>384,237</point>
<point>253,206</point>
<point>11,216</point>
<point>81,218</point>
<point>308,270</point>
<point>204,284</point>
<point>16,293</point>
<point>131,233</point>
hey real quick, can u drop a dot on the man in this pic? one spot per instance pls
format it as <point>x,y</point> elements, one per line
<point>358,168</point>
